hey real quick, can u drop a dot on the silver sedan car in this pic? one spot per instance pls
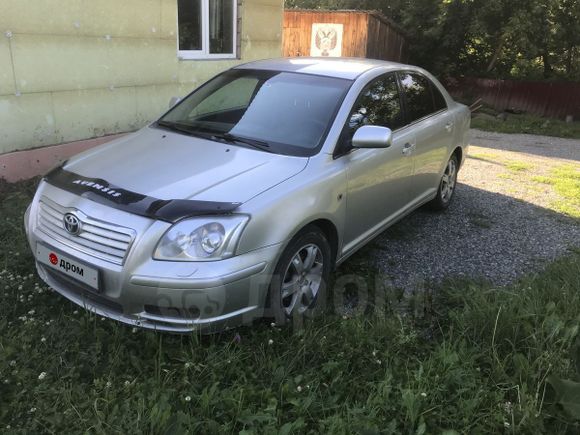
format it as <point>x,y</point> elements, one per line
<point>241,199</point>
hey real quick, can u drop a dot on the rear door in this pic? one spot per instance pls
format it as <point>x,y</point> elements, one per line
<point>432,123</point>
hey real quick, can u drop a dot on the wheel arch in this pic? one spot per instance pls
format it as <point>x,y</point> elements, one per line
<point>328,228</point>
<point>330,232</point>
<point>458,152</point>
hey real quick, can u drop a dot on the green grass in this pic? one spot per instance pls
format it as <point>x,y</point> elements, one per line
<point>468,358</point>
<point>511,165</point>
<point>565,179</point>
<point>516,166</point>
<point>542,179</point>
<point>529,124</point>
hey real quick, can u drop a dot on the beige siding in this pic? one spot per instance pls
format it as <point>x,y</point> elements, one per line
<point>6,76</point>
<point>87,68</point>
<point>27,116</point>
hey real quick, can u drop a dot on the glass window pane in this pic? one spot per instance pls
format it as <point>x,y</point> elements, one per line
<point>440,103</point>
<point>294,109</point>
<point>378,104</point>
<point>221,26</point>
<point>418,96</point>
<point>290,111</point>
<point>189,24</point>
<point>233,95</point>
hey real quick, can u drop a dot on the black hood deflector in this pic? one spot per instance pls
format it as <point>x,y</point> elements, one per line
<point>103,192</point>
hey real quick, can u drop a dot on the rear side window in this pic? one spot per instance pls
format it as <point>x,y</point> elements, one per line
<point>438,99</point>
<point>418,96</point>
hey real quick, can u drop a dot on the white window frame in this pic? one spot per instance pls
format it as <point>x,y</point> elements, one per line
<point>204,52</point>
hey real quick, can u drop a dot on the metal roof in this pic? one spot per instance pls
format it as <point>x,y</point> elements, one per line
<point>346,68</point>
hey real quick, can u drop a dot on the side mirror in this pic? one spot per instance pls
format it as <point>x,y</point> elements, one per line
<point>372,136</point>
<point>174,101</point>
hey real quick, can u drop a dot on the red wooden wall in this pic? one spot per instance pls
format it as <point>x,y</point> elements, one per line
<point>550,99</point>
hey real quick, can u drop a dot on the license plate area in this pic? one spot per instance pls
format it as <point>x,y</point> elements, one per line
<point>69,266</point>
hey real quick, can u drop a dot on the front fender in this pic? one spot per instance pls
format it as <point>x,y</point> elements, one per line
<point>277,215</point>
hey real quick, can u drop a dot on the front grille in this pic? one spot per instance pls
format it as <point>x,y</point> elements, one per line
<point>97,238</point>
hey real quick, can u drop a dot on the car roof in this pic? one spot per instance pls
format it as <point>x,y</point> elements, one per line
<point>344,67</point>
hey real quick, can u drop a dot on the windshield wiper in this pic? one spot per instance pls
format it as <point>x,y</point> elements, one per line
<point>183,128</point>
<point>255,143</point>
<point>227,137</point>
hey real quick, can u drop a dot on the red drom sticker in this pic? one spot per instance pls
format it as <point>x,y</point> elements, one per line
<point>53,258</point>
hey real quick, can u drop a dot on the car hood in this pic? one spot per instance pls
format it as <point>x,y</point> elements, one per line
<point>169,165</point>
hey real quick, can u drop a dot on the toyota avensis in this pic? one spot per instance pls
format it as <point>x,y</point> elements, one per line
<point>242,198</point>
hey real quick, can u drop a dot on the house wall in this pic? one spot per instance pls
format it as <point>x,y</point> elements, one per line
<point>78,69</point>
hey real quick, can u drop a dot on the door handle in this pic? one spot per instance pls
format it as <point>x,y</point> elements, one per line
<point>408,148</point>
<point>449,126</point>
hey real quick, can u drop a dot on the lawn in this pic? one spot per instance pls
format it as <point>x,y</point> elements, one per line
<point>525,123</point>
<point>466,358</point>
<point>563,179</point>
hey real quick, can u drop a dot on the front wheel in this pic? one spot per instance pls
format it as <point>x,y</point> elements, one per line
<point>446,185</point>
<point>298,287</point>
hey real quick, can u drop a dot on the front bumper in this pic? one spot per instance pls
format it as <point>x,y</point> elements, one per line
<point>159,295</point>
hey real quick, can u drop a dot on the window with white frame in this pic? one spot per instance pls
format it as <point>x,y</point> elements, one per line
<point>206,29</point>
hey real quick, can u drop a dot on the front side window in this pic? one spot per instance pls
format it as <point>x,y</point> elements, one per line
<point>206,29</point>
<point>287,113</point>
<point>378,104</point>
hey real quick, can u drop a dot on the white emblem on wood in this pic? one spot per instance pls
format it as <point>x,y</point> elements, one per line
<point>326,40</point>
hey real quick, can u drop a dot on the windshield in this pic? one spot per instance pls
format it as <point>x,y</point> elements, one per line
<point>281,112</point>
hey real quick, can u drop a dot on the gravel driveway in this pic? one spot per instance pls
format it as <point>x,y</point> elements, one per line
<point>501,224</point>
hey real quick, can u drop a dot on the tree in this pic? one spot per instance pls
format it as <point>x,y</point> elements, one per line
<point>495,38</point>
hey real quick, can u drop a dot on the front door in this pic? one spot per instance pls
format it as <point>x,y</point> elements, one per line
<point>379,180</point>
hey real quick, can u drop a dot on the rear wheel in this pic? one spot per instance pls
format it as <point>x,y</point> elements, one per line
<point>446,185</point>
<point>298,287</point>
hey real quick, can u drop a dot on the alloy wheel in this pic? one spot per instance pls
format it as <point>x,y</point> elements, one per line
<point>302,280</point>
<point>448,181</point>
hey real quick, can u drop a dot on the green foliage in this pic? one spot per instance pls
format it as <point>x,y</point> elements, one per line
<point>567,395</point>
<point>531,39</point>
<point>479,361</point>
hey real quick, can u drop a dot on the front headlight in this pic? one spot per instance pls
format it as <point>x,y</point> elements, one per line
<point>201,239</point>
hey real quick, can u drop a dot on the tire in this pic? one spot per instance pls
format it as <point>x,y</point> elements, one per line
<point>298,287</point>
<point>447,186</point>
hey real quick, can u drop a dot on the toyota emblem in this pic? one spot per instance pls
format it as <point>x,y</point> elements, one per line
<point>72,224</point>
